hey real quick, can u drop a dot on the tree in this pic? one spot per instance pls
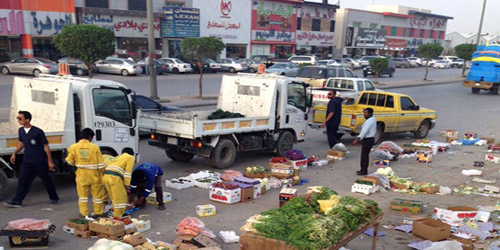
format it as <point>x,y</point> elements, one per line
<point>465,51</point>
<point>198,49</point>
<point>378,66</point>
<point>429,51</point>
<point>88,43</point>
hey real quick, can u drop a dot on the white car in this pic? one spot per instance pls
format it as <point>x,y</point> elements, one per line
<point>176,65</point>
<point>442,64</point>
<point>365,60</point>
<point>351,63</point>
<point>120,66</point>
<point>415,61</point>
<point>330,62</point>
<point>303,59</point>
<point>232,65</point>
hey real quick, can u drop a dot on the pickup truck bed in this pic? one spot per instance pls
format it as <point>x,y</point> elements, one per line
<point>195,124</point>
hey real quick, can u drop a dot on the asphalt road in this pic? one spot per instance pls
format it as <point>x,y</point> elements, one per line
<point>172,85</point>
<point>457,109</point>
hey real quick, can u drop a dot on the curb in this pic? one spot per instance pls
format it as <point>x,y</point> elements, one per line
<point>417,85</point>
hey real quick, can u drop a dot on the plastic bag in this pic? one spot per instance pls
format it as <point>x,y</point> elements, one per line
<point>229,175</point>
<point>445,245</point>
<point>339,147</point>
<point>390,146</point>
<point>30,224</point>
<point>294,155</point>
<point>382,155</point>
<point>384,181</point>
<point>193,226</point>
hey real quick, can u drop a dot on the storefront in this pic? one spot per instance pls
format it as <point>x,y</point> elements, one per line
<point>395,47</point>
<point>179,22</point>
<point>315,29</point>
<point>131,32</point>
<point>229,20</point>
<point>274,26</point>
<point>369,41</point>
<point>10,34</point>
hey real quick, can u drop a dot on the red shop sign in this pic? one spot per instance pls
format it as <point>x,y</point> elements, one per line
<point>395,43</point>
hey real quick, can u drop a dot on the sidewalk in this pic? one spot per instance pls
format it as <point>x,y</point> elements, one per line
<point>211,100</point>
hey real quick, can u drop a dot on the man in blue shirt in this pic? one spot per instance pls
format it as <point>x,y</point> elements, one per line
<point>37,161</point>
<point>333,117</point>
<point>367,137</point>
<point>144,178</point>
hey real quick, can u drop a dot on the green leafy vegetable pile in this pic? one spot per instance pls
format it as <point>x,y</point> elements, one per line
<point>301,224</point>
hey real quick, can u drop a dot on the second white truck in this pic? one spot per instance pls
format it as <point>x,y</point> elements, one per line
<point>275,117</point>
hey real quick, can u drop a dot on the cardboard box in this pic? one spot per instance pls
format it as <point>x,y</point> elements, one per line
<point>130,230</point>
<point>183,239</point>
<point>452,138</point>
<point>118,228</point>
<point>143,226</point>
<point>424,157</point>
<point>431,229</point>
<point>151,199</point>
<point>257,191</point>
<point>251,241</point>
<point>406,206</point>
<point>226,196</point>
<point>429,190</point>
<point>256,175</point>
<point>335,154</point>
<point>28,242</point>
<point>287,194</point>
<point>247,194</point>
<point>206,210</point>
<point>82,234</point>
<point>76,226</point>
<point>412,218</point>
<point>381,163</point>
<point>489,140</point>
<point>68,230</point>
<point>300,164</point>
<point>202,240</point>
<point>456,215</point>
<point>470,135</point>
<point>449,133</point>
<point>134,239</point>
<point>492,157</point>
<point>398,185</point>
<point>281,170</point>
<point>372,179</point>
<point>111,236</point>
<point>187,246</point>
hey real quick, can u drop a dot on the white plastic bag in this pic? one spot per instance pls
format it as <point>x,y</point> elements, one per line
<point>445,245</point>
<point>339,147</point>
<point>382,155</point>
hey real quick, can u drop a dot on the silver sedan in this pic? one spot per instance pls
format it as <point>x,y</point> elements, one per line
<point>30,66</point>
<point>119,66</point>
<point>284,69</point>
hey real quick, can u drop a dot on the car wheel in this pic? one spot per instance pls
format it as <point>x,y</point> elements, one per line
<point>494,90</point>
<point>223,154</point>
<point>4,180</point>
<point>283,74</point>
<point>79,72</point>
<point>232,70</point>
<point>36,72</point>
<point>403,66</point>
<point>175,70</point>
<point>391,74</point>
<point>124,72</point>
<point>422,130</point>
<point>380,132</point>
<point>5,71</point>
<point>252,70</point>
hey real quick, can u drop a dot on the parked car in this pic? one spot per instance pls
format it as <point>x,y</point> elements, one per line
<point>316,76</point>
<point>252,65</point>
<point>458,63</point>
<point>348,88</point>
<point>121,66</point>
<point>176,65</point>
<point>365,60</point>
<point>442,64</point>
<point>303,59</point>
<point>351,63</point>
<point>147,104</point>
<point>390,70</point>
<point>76,66</point>
<point>429,62</point>
<point>284,69</point>
<point>213,65</point>
<point>330,62</point>
<point>266,60</point>
<point>401,63</point>
<point>30,66</point>
<point>161,68</point>
<point>415,61</point>
<point>208,65</point>
<point>231,65</point>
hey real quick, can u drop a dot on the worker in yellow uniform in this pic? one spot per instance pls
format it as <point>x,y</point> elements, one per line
<point>87,158</point>
<point>117,175</point>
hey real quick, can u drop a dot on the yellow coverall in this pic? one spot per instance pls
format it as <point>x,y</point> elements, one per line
<point>87,157</point>
<point>117,176</point>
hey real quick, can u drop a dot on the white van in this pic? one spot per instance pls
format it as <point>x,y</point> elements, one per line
<point>303,59</point>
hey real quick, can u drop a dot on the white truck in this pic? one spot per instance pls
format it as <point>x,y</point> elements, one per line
<point>348,87</point>
<point>62,106</point>
<point>275,117</point>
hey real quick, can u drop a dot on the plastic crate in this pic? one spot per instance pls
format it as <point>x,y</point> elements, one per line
<point>363,188</point>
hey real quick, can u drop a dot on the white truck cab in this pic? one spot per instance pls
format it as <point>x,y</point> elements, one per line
<point>62,106</point>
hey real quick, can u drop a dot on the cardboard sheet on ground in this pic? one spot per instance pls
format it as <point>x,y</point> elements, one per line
<point>405,228</point>
<point>421,245</point>
<point>370,232</point>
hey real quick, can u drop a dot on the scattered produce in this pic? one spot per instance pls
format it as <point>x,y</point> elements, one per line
<point>105,244</point>
<point>79,221</point>
<point>364,182</point>
<point>30,224</point>
<point>221,114</point>
<point>279,160</point>
<point>227,186</point>
<point>295,155</point>
<point>256,169</point>
<point>107,222</point>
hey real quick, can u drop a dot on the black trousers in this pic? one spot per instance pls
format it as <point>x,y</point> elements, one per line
<point>27,174</point>
<point>366,147</point>
<point>331,132</point>
<point>158,190</point>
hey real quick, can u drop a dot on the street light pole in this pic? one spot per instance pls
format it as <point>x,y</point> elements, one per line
<point>153,87</point>
<point>481,23</point>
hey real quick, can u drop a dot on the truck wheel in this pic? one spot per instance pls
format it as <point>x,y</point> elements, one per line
<point>3,184</point>
<point>178,155</point>
<point>208,161</point>
<point>380,132</point>
<point>494,90</point>
<point>285,142</point>
<point>475,90</point>
<point>423,130</point>
<point>223,154</point>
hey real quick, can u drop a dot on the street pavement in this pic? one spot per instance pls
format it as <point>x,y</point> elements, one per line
<point>457,109</point>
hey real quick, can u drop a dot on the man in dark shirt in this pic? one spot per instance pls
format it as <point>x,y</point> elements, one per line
<point>37,161</point>
<point>333,117</point>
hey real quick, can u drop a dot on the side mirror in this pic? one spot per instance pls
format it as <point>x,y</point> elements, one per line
<point>417,107</point>
<point>133,106</point>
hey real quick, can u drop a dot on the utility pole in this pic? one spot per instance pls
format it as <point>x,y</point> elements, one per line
<point>481,23</point>
<point>153,86</point>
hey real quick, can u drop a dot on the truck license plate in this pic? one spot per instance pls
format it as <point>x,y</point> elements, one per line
<point>172,140</point>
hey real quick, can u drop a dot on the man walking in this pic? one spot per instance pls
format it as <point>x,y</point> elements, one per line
<point>87,158</point>
<point>116,179</point>
<point>367,137</point>
<point>333,117</point>
<point>37,161</point>
<point>144,178</point>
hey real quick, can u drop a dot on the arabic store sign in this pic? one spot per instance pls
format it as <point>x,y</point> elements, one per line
<point>431,23</point>
<point>46,23</point>
<point>314,38</point>
<point>122,26</point>
<point>370,37</point>
<point>11,22</point>
<point>181,22</point>
<point>229,20</point>
<point>273,22</point>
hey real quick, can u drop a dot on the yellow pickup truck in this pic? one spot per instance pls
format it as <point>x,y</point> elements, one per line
<point>394,113</point>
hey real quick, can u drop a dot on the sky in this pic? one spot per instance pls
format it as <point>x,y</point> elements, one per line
<point>465,13</point>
